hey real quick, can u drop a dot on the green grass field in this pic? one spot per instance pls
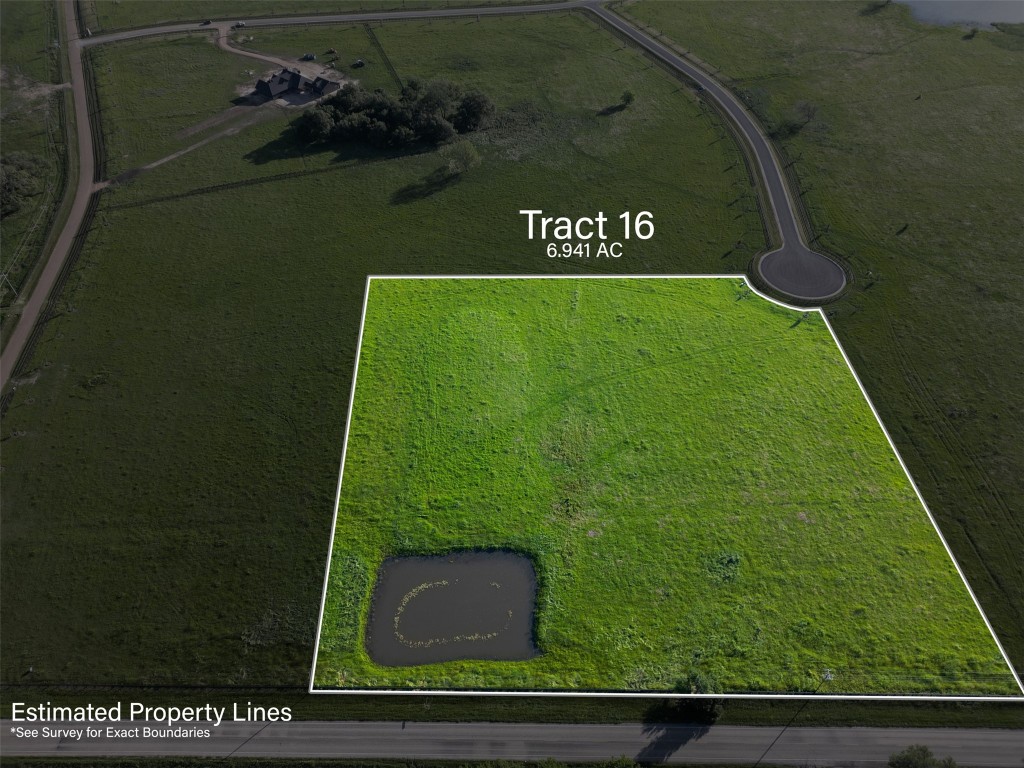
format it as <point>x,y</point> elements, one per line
<point>161,96</point>
<point>907,170</point>
<point>694,470</point>
<point>109,15</point>
<point>191,397</point>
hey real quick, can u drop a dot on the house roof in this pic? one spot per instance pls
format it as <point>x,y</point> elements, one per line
<point>282,82</point>
<point>323,85</point>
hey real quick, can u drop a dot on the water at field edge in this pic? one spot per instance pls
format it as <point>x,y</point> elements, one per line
<point>978,12</point>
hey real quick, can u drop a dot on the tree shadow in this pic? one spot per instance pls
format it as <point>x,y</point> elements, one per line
<point>872,8</point>
<point>436,181</point>
<point>250,100</point>
<point>670,725</point>
<point>289,146</point>
<point>611,110</point>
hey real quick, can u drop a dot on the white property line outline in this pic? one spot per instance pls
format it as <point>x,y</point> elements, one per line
<point>337,493</point>
<point>648,694</point>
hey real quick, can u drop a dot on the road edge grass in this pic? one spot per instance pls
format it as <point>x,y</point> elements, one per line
<point>786,164</point>
<point>88,12</point>
<point>60,206</point>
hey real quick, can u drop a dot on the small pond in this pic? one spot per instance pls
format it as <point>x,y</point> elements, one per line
<point>467,605</point>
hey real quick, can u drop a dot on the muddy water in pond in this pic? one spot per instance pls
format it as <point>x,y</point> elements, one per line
<point>469,605</point>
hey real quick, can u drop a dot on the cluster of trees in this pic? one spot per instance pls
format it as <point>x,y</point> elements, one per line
<point>20,177</point>
<point>425,113</point>
<point>919,756</point>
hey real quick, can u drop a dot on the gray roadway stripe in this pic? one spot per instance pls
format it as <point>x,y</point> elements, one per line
<point>824,746</point>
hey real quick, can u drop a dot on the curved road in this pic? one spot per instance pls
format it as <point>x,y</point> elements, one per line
<point>793,269</point>
<point>978,747</point>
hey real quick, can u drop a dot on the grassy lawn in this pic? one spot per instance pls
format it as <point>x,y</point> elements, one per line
<point>109,15</point>
<point>908,172</point>
<point>170,474</point>
<point>26,31</point>
<point>658,448</point>
<point>31,120</point>
<point>157,96</point>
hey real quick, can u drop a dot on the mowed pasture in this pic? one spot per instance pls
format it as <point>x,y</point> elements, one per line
<point>904,140</point>
<point>159,97</point>
<point>694,470</point>
<point>171,461</point>
<point>110,15</point>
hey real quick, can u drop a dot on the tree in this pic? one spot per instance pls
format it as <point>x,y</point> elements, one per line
<point>20,177</point>
<point>433,128</point>
<point>315,125</point>
<point>698,681</point>
<point>704,710</point>
<point>427,113</point>
<point>460,157</point>
<point>403,136</point>
<point>627,98</point>
<point>919,756</point>
<point>439,97</point>
<point>475,112</point>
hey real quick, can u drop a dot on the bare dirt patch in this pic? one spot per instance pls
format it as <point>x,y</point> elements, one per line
<point>28,89</point>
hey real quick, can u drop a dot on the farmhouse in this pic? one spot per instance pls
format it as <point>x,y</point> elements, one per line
<point>322,86</point>
<point>293,81</point>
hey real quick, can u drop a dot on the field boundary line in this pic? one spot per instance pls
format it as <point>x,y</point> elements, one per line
<point>341,474</point>
<point>647,694</point>
<point>384,55</point>
<point>49,309</point>
<point>470,7</point>
<point>924,504</point>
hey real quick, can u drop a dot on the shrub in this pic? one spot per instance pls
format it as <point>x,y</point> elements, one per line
<point>430,113</point>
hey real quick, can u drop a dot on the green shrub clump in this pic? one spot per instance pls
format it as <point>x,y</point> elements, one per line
<point>425,113</point>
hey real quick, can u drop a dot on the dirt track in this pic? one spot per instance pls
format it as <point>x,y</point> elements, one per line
<point>33,307</point>
<point>793,269</point>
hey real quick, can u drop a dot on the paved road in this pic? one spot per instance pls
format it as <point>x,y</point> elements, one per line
<point>529,741</point>
<point>793,269</point>
<point>33,307</point>
<point>342,18</point>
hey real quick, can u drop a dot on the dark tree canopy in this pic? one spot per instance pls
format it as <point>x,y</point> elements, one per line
<point>427,113</point>
<point>20,177</point>
<point>919,756</point>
